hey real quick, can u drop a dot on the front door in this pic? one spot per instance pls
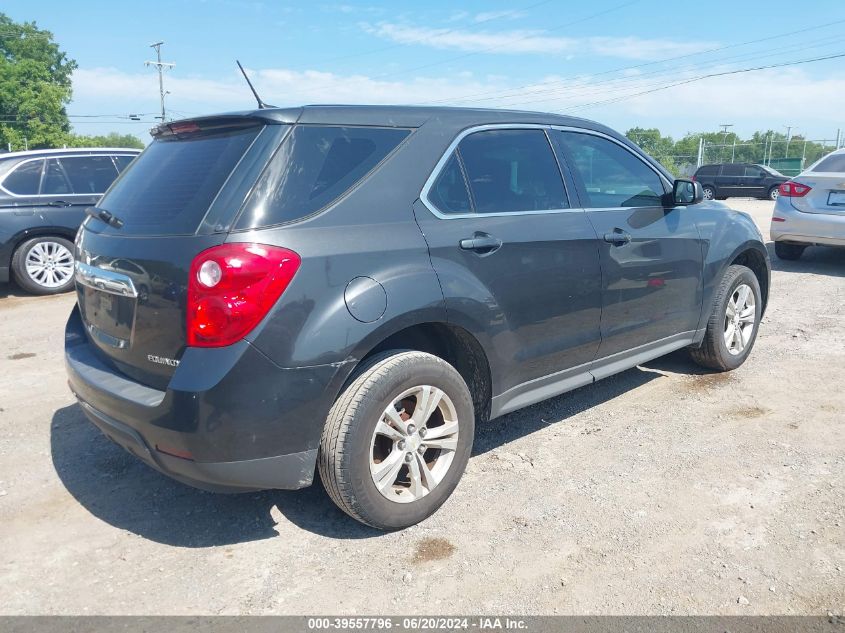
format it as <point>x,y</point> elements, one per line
<point>651,256</point>
<point>518,266</point>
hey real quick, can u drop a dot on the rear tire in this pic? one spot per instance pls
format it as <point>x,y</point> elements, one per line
<point>733,324</point>
<point>44,265</point>
<point>709,192</point>
<point>371,436</point>
<point>789,252</point>
<point>774,192</point>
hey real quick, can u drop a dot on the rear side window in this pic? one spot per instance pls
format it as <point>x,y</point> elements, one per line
<point>733,170</point>
<point>55,183</point>
<point>449,193</point>
<point>512,170</point>
<point>173,182</point>
<point>89,174</point>
<point>612,175</point>
<point>707,170</point>
<point>25,179</point>
<point>314,166</point>
<point>833,163</point>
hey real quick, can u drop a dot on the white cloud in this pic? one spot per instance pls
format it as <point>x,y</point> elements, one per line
<point>486,16</point>
<point>528,41</point>
<point>750,101</point>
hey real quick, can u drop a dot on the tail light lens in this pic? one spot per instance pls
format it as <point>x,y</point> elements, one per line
<point>231,287</point>
<point>792,189</point>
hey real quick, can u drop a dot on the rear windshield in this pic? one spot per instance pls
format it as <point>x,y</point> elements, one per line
<point>833,163</point>
<point>171,185</point>
<point>315,166</point>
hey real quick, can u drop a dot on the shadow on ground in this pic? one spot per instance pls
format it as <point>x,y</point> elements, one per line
<point>820,260</point>
<point>122,491</point>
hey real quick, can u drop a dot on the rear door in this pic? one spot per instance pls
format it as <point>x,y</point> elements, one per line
<point>178,198</point>
<point>730,181</point>
<point>514,259</point>
<point>651,257</point>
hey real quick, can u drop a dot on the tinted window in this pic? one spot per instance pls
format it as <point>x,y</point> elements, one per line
<point>612,175</point>
<point>25,178</point>
<point>754,172</point>
<point>707,170</point>
<point>122,162</point>
<point>89,174</point>
<point>55,182</point>
<point>512,170</point>
<point>733,170</point>
<point>314,167</point>
<point>173,182</point>
<point>833,163</point>
<point>449,193</point>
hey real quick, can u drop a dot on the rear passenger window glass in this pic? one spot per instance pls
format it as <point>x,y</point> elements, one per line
<point>449,193</point>
<point>612,175</point>
<point>707,170</point>
<point>122,162</point>
<point>55,182</point>
<point>314,166</point>
<point>25,178</point>
<point>89,174</point>
<point>733,170</point>
<point>173,182</point>
<point>512,170</point>
<point>833,163</point>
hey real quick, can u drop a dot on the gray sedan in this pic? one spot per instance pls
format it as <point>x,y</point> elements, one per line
<point>811,208</point>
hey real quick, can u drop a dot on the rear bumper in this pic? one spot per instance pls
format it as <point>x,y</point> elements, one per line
<point>806,228</point>
<point>230,420</point>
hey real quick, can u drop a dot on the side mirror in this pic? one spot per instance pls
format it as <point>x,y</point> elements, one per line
<point>686,192</point>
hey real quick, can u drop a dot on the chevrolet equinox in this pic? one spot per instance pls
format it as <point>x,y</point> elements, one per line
<point>349,290</point>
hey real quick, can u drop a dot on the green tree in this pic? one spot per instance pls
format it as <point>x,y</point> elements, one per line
<point>35,86</point>
<point>113,139</point>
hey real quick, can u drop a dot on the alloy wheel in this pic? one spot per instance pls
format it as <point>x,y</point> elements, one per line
<point>413,445</point>
<point>740,319</point>
<point>49,264</point>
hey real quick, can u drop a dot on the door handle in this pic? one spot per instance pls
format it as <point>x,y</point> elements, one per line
<point>58,203</point>
<point>481,243</point>
<point>617,237</point>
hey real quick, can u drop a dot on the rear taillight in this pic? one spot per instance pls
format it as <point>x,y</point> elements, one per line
<point>792,189</point>
<point>232,287</point>
<point>692,177</point>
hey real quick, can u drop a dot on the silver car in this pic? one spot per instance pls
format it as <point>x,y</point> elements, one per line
<point>811,208</point>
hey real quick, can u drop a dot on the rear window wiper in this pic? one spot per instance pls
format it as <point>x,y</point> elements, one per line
<point>105,216</point>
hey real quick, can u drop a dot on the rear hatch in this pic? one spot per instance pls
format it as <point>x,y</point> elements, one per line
<point>178,198</point>
<point>826,180</point>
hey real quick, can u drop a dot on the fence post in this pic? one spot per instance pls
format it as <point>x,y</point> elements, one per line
<point>700,158</point>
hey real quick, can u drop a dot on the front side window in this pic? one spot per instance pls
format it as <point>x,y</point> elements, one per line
<point>122,162</point>
<point>25,179</point>
<point>612,175</point>
<point>754,172</point>
<point>55,183</point>
<point>512,170</point>
<point>89,174</point>
<point>316,165</point>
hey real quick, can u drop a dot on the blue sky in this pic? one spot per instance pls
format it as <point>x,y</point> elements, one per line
<point>590,59</point>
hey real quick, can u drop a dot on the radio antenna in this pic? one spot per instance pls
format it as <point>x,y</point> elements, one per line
<point>261,104</point>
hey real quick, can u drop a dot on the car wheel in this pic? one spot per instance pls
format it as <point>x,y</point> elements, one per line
<point>709,192</point>
<point>397,439</point>
<point>774,192</point>
<point>732,327</point>
<point>44,265</point>
<point>789,252</point>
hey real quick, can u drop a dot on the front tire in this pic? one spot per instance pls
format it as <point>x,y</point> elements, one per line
<point>733,324</point>
<point>789,252</point>
<point>397,440</point>
<point>44,265</point>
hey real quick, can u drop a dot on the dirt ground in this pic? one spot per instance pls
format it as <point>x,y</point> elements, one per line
<point>663,490</point>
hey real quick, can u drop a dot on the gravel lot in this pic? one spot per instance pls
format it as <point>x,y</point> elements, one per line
<point>663,490</point>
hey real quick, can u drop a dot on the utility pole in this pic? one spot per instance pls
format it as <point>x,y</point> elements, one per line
<point>700,157</point>
<point>788,138</point>
<point>725,127</point>
<point>161,67</point>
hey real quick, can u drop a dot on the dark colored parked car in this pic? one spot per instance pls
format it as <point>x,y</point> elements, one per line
<point>43,196</point>
<point>739,180</point>
<point>349,290</point>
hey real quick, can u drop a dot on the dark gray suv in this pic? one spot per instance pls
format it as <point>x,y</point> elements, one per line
<point>349,290</point>
<point>43,197</point>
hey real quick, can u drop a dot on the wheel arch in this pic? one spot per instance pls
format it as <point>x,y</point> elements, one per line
<point>754,256</point>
